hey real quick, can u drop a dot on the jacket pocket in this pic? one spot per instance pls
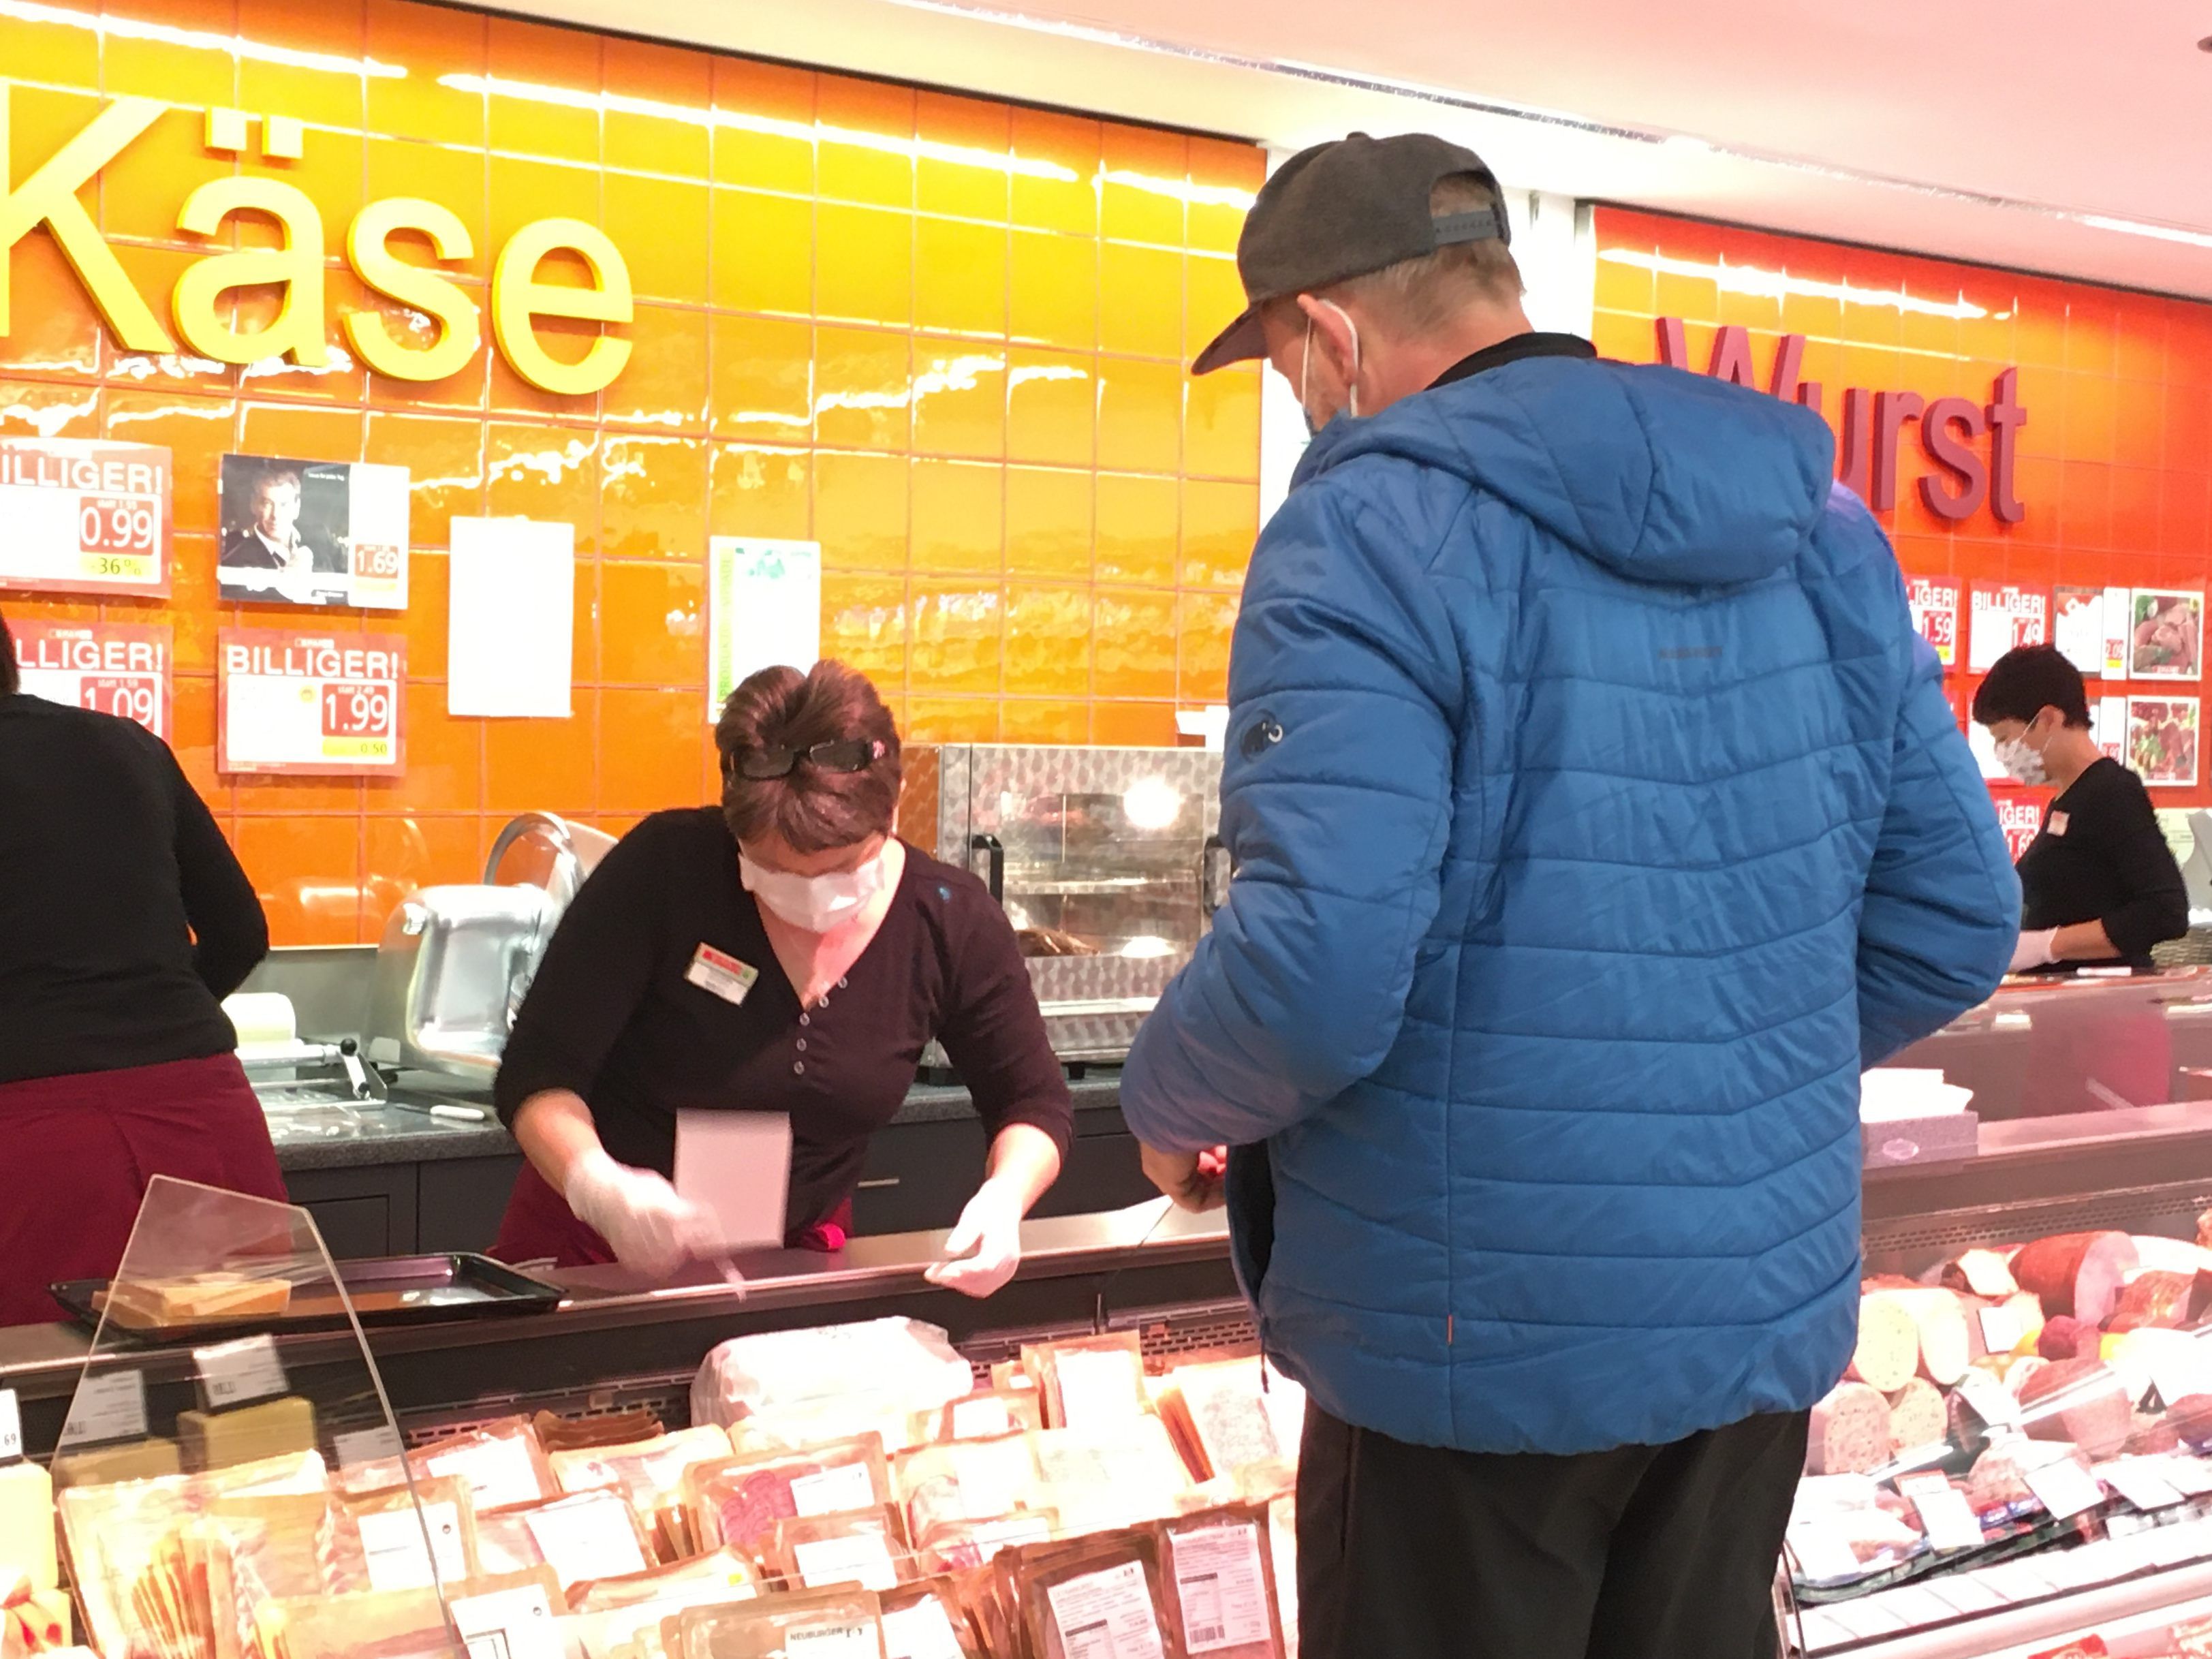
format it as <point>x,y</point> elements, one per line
<point>1248,1191</point>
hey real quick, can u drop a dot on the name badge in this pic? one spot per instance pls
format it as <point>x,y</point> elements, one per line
<point>2056,825</point>
<point>723,974</point>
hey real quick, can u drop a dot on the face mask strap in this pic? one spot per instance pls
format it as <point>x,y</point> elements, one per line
<point>1305,365</point>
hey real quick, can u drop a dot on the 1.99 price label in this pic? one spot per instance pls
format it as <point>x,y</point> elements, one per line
<point>351,710</point>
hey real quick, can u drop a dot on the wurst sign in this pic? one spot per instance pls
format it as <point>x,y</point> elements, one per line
<point>115,668</point>
<point>312,705</point>
<point>84,516</point>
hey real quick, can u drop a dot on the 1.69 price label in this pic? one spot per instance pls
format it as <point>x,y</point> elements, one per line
<point>117,537</point>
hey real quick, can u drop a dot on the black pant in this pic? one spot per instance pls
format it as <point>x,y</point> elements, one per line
<point>1640,1552</point>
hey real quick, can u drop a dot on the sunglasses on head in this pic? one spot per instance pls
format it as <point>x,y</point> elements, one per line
<point>844,755</point>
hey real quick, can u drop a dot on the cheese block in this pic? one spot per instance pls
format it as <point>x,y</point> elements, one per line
<point>1850,1431</point>
<point>270,1428</point>
<point>196,1299</point>
<point>27,1526</point>
<point>141,1459</point>
<point>1888,1351</point>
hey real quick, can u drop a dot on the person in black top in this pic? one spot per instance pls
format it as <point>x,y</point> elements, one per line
<point>2098,884</point>
<point>124,920</point>
<point>783,954</point>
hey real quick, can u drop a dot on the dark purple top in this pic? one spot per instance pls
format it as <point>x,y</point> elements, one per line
<point>612,1016</point>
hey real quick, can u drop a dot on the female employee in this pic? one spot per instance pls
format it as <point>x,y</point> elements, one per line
<point>124,920</point>
<point>783,954</point>
<point>2099,884</point>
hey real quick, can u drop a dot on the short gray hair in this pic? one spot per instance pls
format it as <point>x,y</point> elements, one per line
<point>1422,293</point>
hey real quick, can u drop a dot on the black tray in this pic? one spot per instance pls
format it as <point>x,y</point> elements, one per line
<point>386,1291</point>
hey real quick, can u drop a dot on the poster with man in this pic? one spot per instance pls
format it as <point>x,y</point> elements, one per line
<point>322,534</point>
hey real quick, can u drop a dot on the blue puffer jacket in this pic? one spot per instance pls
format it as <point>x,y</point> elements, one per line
<point>1597,815</point>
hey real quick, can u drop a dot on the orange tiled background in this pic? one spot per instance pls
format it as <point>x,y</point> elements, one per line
<point>2115,469</point>
<point>940,335</point>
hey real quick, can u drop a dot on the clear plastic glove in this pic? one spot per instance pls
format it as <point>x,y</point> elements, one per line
<point>639,1214</point>
<point>982,1250</point>
<point>2035,950</point>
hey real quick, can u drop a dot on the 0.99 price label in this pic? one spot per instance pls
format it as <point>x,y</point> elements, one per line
<point>117,537</point>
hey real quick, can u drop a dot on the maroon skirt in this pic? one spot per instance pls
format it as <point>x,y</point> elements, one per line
<point>81,1148</point>
<point>538,1226</point>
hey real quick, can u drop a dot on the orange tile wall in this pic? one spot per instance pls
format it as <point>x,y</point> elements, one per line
<point>2116,460</point>
<point>944,336</point>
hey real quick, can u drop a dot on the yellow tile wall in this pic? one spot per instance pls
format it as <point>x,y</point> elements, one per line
<point>943,336</point>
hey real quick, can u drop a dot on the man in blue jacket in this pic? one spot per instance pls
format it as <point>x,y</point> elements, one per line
<point>1597,816</point>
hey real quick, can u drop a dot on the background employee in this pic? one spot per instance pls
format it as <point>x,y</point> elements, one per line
<point>782,953</point>
<point>2099,884</point>
<point>124,921</point>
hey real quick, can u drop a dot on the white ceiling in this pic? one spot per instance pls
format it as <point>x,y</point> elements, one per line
<point>2002,139</point>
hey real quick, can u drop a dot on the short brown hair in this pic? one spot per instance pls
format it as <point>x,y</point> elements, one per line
<point>811,810</point>
<point>1418,296</point>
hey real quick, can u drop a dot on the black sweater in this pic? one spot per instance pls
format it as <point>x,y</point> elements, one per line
<point>111,867</point>
<point>2100,857</point>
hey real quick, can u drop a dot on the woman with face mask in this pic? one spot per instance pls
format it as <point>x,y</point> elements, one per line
<point>2099,884</point>
<point>783,954</point>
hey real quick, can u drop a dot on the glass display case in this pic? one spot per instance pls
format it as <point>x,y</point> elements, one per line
<point>1106,860</point>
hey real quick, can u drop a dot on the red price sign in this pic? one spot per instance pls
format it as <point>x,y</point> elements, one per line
<point>356,709</point>
<point>134,697</point>
<point>115,524</point>
<point>379,560</point>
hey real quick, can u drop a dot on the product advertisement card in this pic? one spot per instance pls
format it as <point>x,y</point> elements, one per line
<point>117,668</point>
<point>84,516</point>
<point>311,705</point>
<point>326,533</point>
<point>2162,740</point>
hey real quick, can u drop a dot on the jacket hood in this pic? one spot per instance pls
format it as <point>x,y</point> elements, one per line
<point>1659,474</point>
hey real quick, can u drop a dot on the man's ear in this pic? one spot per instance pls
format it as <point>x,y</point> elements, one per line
<point>1332,333</point>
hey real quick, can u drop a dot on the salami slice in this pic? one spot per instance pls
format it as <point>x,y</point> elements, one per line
<point>1888,1352</point>
<point>2080,1400</point>
<point>1850,1431</point>
<point>2076,1273</point>
<point>1917,1416</point>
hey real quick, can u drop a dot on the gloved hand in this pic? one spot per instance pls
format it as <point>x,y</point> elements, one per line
<point>983,1249</point>
<point>639,1214</point>
<point>2035,950</point>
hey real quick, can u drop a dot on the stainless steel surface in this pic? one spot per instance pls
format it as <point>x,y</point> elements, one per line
<point>538,849</point>
<point>2040,1624</point>
<point>451,969</point>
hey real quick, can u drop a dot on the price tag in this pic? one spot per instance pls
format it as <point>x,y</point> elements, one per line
<point>310,705</point>
<point>2064,1487</point>
<point>2178,1370</point>
<point>1945,1515</point>
<point>1106,1615</point>
<point>839,1641</point>
<point>374,1445</point>
<point>109,1407</point>
<point>234,1373</point>
<point>861,1558</point>
<point>511,1624</point>
<point>1221,1588</point>
<point>980,1419</point>
<point>499,1472</point>
<point>11,1427</point>
<point>592,1539</point>
<point>112,668</point>
<point>1989,1399</point>
<point>2189,1476</point>
<point>2002,1330</point>
<point>84,516</point>
<point>392,1542</point>
<point>829,1492</point>
<point>2140,1481</point>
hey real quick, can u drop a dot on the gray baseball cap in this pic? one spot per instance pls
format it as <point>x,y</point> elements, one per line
<point>1342,210</point>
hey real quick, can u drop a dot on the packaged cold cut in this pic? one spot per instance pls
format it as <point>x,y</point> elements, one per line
<point>738,1500</point>
<point>865,1547</point>
<point>1218,1577</point>
<point>983,1415</point>
<point>928,1619</point>
<point>502,1461</point>
<point>2079,1274</point>
<point>838,1624</point>
<point>965,1480</point>
<point>558,1433</point>
<point>1089,1382</point>
<point>401,1533</point>
<point>2080,1400</point>
<point>609,1615</point>
<point>586,1536</point>
<point>1121,1475</point>
<point>1850,1431</point>
<point>960,1546</point>
<point>1100,1601</point>
<point>384,1624</point>
<point>893,1364</point>
<point>1218,1410</point>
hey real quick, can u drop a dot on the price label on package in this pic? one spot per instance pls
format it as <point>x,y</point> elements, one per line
<point>84,516</point>
<point>311,705</point>
<point>114,668</point>
<point>1945,1515</point>
<point>237,1373</point>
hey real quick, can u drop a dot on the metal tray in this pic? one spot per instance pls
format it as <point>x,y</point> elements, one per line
<point>386,1290</point>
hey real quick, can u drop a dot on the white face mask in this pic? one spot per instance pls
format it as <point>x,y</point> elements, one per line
<point>814,904</point>
<point>2022,763</point>
<point>1305,367</point>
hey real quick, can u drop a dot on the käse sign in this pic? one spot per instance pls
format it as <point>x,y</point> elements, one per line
<point>48,198</point>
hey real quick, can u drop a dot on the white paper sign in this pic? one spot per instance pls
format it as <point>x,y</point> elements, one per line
<point>861,1558</point>
<point>980,1419</point>
<point>1097,1390</point>
<point>1990,1400</point>
<point>2077,627</point>
<point>2178,1370</point>
<point>11,1427</point>
<point>587,1540</point>
<point>923,1630</point>
<point>1945,1515</point>
<point>511,1624</point>
<point>367,1446</point>
<point>1823,1555</point>
<point>499,1472</point>
<point>763,607</point>
<point>2140,1481</point>
<point>2189,1476</point>
<point>737,1165</point>
<point>391,1540</point>
<point>2119,630</point>
<point>2000,1329</point>
<point>1221,1587</point>
<point>512,618</point>
<point>1106,1615</point>
<point>109,1407</point>
<point>2064,1487</point>
<point>832,1492</point>
<point>235,1372</point>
